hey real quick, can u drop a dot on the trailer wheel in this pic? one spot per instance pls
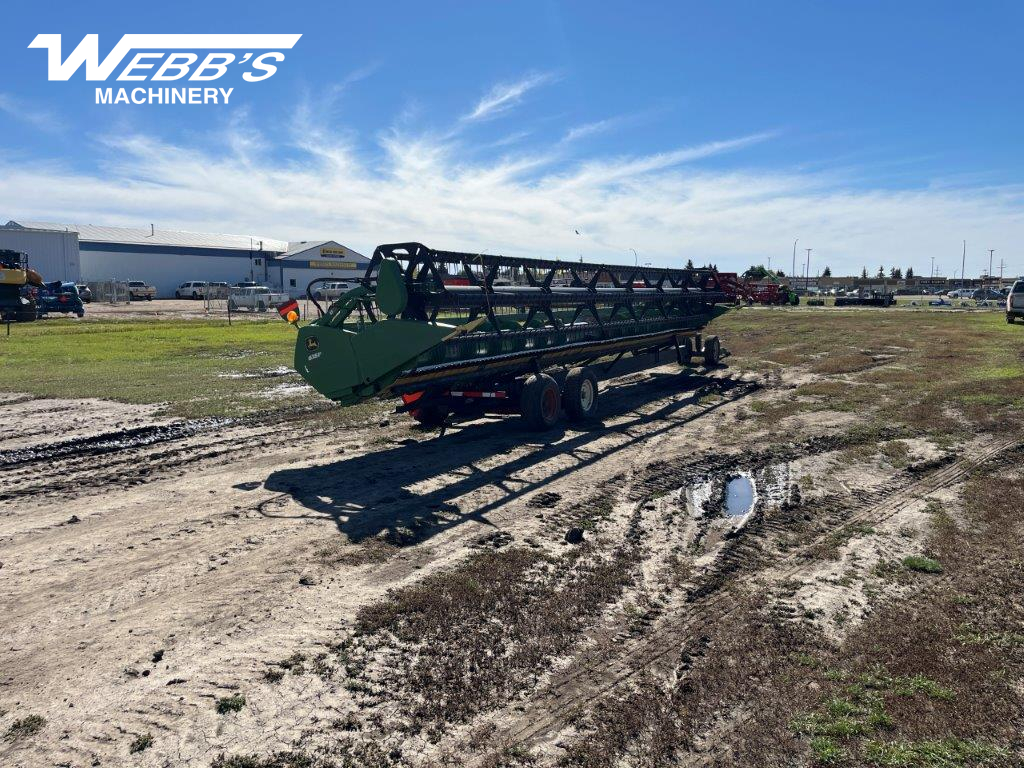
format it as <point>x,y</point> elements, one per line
<point>540,402</point>
<point>431,416</point>
<point>579,395</point>
<point>685,350</point>
<point>712,351</point>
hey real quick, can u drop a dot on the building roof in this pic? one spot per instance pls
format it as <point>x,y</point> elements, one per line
<point>302,246</point>
<point>296,248</point>
<point>150,235</point>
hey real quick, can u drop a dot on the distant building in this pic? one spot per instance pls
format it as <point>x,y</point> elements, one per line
<point>167,258</point>
<point>304,261</point>
<point>54,254</point>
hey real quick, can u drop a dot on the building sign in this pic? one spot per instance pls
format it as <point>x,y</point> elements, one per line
<point>332,265</point>
<point>331,252</point>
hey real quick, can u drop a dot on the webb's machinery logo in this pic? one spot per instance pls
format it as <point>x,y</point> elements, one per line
<point>169,58</point>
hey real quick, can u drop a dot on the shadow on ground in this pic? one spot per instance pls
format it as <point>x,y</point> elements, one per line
<point>374,493</point>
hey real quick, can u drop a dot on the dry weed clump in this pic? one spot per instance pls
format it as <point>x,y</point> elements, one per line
<point>457,641</point>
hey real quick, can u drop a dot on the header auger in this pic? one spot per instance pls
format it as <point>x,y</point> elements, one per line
<point>453,332</point>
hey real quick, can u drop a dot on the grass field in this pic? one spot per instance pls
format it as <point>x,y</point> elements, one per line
<point>198,368</point>
<point>929,372</point>
<point>941,371</point>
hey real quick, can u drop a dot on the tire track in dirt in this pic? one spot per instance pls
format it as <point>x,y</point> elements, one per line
<point>596,676</point>
<point>490,479</point>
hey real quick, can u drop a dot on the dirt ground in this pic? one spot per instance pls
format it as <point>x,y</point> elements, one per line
<point>279,591</point>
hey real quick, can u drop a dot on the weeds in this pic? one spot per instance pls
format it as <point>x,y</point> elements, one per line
<point>25,727</point>
<point>461,638</point>
<point>141,743</point>
<point>233,703</point>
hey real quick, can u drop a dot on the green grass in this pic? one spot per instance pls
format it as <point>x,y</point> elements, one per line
<point>922,564</point>
<point>826,751</point>
<point>185,364</point>
<point>947,753</point>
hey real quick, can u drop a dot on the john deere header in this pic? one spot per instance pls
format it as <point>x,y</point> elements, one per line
<point>425,323</point>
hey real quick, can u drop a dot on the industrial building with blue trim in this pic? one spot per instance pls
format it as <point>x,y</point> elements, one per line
<point>167,258</point>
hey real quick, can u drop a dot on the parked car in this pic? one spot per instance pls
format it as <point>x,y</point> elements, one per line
<point>332,291</point>
<point>85,292</point>
<point>961,293</point>
<point>193,289</point>
<point>986,294</point>
<point>255,299</point>
<point>1015,302</point>
<point>138,290</point>
<point>59,298</point>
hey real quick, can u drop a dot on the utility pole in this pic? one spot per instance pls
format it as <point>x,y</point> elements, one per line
<point>932,273</point>
<point>1001,265</point>
<point>963,263</point>
<point>792,272</point>
<point>988,277</point>
<point>807,269</point>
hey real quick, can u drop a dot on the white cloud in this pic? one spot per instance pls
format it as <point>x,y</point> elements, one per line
<point>37,117</point>
<point>669,206</point>
<point>504,96</point>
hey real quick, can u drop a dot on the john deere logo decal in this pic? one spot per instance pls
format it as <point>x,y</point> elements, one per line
<point>312,343</point>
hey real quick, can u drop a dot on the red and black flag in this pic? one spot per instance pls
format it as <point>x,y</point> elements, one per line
<point>287,308</point>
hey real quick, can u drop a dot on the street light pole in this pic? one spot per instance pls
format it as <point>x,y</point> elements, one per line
<point>807,269</point>
<point>963,264</point>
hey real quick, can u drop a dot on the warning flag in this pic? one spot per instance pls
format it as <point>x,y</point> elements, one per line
<point>287,308</point>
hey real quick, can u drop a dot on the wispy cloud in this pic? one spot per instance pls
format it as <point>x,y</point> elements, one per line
<point>38,117</point>
<point>504,96</point>
<point>669,206</point>
<point>607,125</point>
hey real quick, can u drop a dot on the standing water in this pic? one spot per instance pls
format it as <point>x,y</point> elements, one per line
<point>739,496</point>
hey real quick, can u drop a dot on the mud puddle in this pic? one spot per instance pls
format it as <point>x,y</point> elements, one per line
<point>735,494</point>
<point>740,496</point>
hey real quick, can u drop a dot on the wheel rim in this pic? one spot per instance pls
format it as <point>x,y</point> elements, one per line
<point>587,395</point>
<point>549,403</point>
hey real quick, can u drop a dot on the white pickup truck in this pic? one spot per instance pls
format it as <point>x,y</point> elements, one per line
<point>140,291</point>
<point>256,298</point>
<point>1015,302</point>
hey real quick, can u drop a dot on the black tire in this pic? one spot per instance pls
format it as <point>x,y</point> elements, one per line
<point>194,295</point>
<point>232,306</point>
<point>149,298</point>
<point>261,307</point>
<point>712,351</point>
<point>1010,319</point>
<point>431,416</point>
<point>579,395</point>
<point>541,402</point>
<point>177,294</point>
<point>685,350</point>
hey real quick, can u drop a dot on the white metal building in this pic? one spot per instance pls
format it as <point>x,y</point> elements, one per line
<point>167,258</point>
<point>52,253</point>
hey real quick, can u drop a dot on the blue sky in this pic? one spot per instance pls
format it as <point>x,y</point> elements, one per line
<point>876,133</point>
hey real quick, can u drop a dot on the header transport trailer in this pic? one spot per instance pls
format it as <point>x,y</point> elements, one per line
<point>463,333</point>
